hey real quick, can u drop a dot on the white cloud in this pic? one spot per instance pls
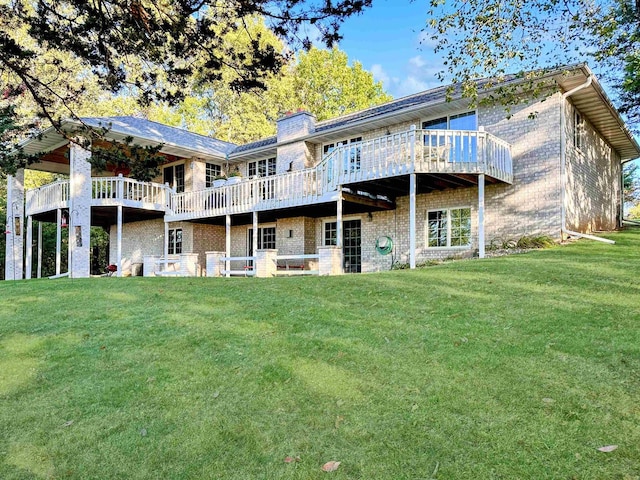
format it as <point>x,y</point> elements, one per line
<point>379,74</point>
<point>417,62</point>
<point>417,74</point>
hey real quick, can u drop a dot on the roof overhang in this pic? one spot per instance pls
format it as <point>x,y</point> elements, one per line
<point>592,102</point>
<point>51,139</point>
<point>596,106</point>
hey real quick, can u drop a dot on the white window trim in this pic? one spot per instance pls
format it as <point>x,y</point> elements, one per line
<point>260,226</point>
<point>579,131</point>
<point>175,243</point>
<point>449,115</point>
<point>335,219</point>
<point>206,163</point>
<point>266,160</point>
<point>173,165</point>
<point>342,141</point>
<point>448,247</point>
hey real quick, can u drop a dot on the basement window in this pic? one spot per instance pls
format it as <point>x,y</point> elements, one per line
<point>449,228</point>
<point>175,241</point>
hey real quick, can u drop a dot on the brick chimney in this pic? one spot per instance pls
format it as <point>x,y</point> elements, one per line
<point>295,155</point>
<point>295,125</point>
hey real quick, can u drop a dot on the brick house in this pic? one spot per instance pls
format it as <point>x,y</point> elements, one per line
<point>417,178</point>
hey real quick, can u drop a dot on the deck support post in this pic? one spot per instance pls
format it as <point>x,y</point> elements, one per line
<point>119,242</point>
<point>58,240</point>
<point>339,229</point>
<point>481,241</point>
<point>14,238</point>
<point>227,243</point>
<point>29,248</point>
<point>255,234</point>
<point>80,195</point>
<point>39,270</point>
<point>412,220</point>
<point>165,252</point>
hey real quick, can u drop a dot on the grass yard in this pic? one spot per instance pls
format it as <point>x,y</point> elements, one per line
<point>517,367</point>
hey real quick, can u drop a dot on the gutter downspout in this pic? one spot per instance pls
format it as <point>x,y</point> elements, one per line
<point>563,167</point>
<point>622,219</point>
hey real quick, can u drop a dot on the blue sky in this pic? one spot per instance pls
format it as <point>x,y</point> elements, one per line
<point>386,39</point>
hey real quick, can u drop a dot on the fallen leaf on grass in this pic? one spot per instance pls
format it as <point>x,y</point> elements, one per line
<point>339,419</point>
<point>330,466</point>
<point>608,448</point>
<point>291,459</point>
<point>67,424</point>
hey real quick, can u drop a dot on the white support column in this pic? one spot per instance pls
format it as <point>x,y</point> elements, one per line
<point>58,241</point>
<point>79,212</point>
<point>339,239</point>
<point>481,241</point>
<point>165,251</point>
<point>227,243</point>
<point>29,248</point>
<point>412,220</point>
<point>39,272</point>
<point>14,236</point>
<point>119,242</point>
<point>255,234</point>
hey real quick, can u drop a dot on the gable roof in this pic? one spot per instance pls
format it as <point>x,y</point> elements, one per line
<point>177,141</point>
<point>591,101</point>
<point>158,132</point>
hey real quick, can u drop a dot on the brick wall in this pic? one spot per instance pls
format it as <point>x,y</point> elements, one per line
<point>593,180</point>
<point>147,238</point>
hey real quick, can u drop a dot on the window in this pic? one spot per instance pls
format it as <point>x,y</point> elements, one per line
<point>449,228</point>
<point>330,233</point>
<point>263,168</point>
<point>174,176</point>
<point>351,156</point>
<point>578,130</point>
<point>454,147</point>
<point>266,239</point>
<point>462,121</point>
<point>211,172</point>
<point>175,241</point>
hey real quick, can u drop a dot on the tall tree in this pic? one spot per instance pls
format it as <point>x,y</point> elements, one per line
<point>481,38</point>
<point>157,46</point>
<point>324,82</point>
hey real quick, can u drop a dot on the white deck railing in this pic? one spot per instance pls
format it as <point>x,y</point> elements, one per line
<point>413,151</point>
<point>48,197</point>
<point>105,191</point>
<point>128,192</point>
<point>297,264</point>
<point>238,266</point>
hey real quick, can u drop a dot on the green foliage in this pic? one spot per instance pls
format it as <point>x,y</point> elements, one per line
<point>631,182</point>
<point>12,158</point>
<point>324,83</point>
<point>55,52</point>
<point>142,162</point>
<point>480,39</point>
<point>525,242</point>
<point>514,367</point>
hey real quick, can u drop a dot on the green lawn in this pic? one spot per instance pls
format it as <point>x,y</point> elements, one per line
<point>514,367</point>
